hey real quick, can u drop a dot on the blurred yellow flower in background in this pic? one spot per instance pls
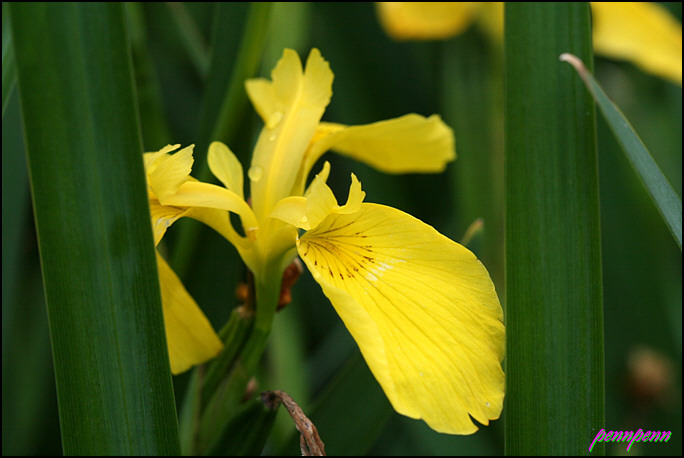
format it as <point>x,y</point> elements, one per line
<point>643,33</point>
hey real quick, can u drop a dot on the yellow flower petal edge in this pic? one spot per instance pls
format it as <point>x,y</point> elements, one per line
<point>641,32</point>
<point>190,337</point>
<point>422,309</point>
<point>198,194</point>
<point>163,217</point>
<point>409,144</point>
<point>307,213</point>
<point>167,172</point>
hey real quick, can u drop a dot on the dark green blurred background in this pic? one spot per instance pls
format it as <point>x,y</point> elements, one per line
<point>311,355</point>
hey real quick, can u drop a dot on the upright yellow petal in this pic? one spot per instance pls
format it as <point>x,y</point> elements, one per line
<point>408,144</point>
<point>641,32</point>
<point>425,20</point>
<point>226,167</point>
<point>190,338</point>
<point>422,309</point>
<point>291,106</point>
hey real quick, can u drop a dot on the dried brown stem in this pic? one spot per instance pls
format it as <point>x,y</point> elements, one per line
<point>309,441</point>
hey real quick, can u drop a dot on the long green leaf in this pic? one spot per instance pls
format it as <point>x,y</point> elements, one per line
<point>554,321</point>
<point>665,198</point>
<point>84,153</point>
<point>9,73</point>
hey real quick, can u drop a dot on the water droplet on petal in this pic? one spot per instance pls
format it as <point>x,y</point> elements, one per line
<point>274,119</point>
<point>255,173</point>
<point>272,137</point>
<point>304,220</point>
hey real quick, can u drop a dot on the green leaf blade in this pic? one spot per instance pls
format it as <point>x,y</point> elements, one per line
<point>554,321</point>
<point>84,153</point>
<point>666,200</point>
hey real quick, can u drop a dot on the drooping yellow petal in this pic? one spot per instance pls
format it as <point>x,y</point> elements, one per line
<point>226,167</point>
<point>408,144</point>
<point>422,309</point>
<point>425,20</point>
<point>291,106</point>
<point>163,217</point>
<point>190,337</point>
<point>641,32</point>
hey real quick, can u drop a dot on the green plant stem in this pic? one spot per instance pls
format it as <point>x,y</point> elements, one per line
<point>225,386</point>
<point>267,288</point>
<point>554,316</point>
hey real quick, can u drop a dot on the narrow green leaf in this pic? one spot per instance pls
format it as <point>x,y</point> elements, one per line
<point>246,64</point>
<point>92,218</point>
<point>554,321</point>
<point>473,105</point>
<point>191,37</point>
<point>665,198</point>
<point>153,122</point>
<point>9,72</point>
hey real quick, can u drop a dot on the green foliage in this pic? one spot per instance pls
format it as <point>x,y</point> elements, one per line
<point>185,63</point>
<point>89,199</point>
<point>553,252</point>
<point>667,201</point>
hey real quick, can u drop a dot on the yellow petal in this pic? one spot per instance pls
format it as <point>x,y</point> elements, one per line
<point>319,203</point>
<point>150,158</point>
<point>425,20</point>
<point>292,210</point>
<point>307,212</point>
<point>410,143</point>
<point>166,172</point>
<point>354,199</point>
<point>291,107</point>
<point>190,338</point>
<point>641,32</point>
<point>163,217</point>
<point>226,167</point>
<point>490,20</point>
<point>197,194</point>
<point>422,309</point>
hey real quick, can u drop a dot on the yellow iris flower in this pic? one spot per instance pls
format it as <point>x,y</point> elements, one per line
<point>422,308</point>
<point>644,33</point>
